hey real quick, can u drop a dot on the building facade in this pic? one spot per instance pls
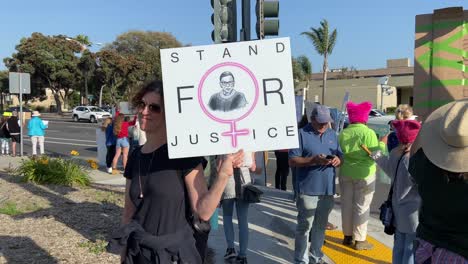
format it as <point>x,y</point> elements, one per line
<point>363,85</point>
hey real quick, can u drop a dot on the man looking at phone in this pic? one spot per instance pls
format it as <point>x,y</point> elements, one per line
<point>316,159</point>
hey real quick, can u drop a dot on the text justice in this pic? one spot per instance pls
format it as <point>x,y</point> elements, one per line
<point>213,137</point>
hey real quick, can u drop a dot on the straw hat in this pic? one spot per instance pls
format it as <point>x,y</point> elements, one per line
<point>35,113</point>
<point>444,136</point>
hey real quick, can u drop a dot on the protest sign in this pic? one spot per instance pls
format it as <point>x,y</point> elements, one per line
<point>224,97</point>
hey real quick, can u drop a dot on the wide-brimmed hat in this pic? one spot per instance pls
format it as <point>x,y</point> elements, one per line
<point>444,136</point>
<point>35,113</point>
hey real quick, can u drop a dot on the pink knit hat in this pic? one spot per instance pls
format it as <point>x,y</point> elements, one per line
<point>358,113</point>
<point>406,130</point>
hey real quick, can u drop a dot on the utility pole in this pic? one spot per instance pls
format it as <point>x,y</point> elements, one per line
<point>245,31</point>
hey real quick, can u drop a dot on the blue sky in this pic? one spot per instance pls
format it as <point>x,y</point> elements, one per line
<point>369,31</point>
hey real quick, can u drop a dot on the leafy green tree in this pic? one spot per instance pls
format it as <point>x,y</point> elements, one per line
<point>120,75</point>
<point>324,44</point>
<point>52,63</point>
<point>304,66</point>
<point>87,65</point>
<point>298,73</point>
<point>83,40</point>
<point>4,86</point>
<point>144,46</point>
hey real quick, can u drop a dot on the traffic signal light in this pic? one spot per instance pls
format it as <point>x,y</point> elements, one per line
<point>224,19</point>
<point>267,27</point>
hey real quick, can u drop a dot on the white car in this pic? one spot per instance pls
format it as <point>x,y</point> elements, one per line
<point>379,122</point>
<point>90,113</point>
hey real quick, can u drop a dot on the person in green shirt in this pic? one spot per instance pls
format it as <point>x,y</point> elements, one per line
<point>357,175</point>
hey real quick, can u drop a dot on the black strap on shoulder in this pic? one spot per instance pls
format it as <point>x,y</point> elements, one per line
<point>390,193</point>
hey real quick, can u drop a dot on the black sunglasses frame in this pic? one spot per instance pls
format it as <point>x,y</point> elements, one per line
<point>154,108</point>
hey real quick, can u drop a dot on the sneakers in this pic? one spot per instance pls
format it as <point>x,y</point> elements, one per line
<point>348,241</point>
<point>230,253</point>
<point>363,245</point>
<point>109,170</point>
<point>241,260</point>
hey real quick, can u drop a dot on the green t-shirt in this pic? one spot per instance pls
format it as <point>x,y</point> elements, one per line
<point>356,163</point>
<point>444,209</point>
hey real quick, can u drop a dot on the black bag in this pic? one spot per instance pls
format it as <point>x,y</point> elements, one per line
<point>386,210</point>
<point>386,216</point>
<point>251,194</point>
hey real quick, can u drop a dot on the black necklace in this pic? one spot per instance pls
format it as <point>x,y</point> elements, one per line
<point>147,172</point>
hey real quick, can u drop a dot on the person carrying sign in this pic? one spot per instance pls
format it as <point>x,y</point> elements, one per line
<point>405,199</point>
<point>161,193</point>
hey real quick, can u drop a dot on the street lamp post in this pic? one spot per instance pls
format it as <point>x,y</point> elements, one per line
<point>384,89</point>
<point>100,95</point>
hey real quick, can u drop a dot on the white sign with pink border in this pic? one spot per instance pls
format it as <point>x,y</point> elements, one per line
<point>224,97</point>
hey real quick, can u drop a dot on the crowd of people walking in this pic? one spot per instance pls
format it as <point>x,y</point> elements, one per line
<point>10,129</point>
<point>168,203</point>
<point>323,158</point>
<point>429,183</point>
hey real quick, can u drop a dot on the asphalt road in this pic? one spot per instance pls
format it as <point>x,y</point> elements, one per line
<point>63,135</point>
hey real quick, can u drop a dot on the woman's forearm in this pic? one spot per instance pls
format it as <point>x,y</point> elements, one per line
<point>208,202</point>
<point>129,209</point>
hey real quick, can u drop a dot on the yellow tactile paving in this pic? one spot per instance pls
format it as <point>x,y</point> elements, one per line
<point>341,254</point>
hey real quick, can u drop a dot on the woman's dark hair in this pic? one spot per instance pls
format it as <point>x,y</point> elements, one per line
<point>153,86</point>
<point>226,73</point>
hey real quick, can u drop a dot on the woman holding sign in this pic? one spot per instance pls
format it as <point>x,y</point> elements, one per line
<point>161,193</point>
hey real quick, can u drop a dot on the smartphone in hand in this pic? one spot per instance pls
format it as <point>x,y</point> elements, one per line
<point>330,157</point>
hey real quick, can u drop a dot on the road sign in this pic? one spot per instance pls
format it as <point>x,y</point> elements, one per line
<point>18,79</point>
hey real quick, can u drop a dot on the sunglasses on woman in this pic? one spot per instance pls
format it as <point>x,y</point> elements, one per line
<point>154,108</point>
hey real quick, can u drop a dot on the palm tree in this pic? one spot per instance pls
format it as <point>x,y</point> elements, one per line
<point>324,44</point>
<point>306,67</point>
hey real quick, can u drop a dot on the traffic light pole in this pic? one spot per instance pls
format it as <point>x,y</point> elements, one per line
<point>245,20</point>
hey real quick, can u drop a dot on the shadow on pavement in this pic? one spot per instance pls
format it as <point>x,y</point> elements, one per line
<point>23,250</point>
<point>90,219</point>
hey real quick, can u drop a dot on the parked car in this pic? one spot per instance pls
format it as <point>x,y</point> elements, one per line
<point>17,109</point>
<point>90,113</point>
<point>378,121</point>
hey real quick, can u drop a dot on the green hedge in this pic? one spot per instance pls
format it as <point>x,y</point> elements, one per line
<point>45,170</point>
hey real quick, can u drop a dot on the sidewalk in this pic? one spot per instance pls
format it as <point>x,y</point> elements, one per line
<point>272,226</point>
